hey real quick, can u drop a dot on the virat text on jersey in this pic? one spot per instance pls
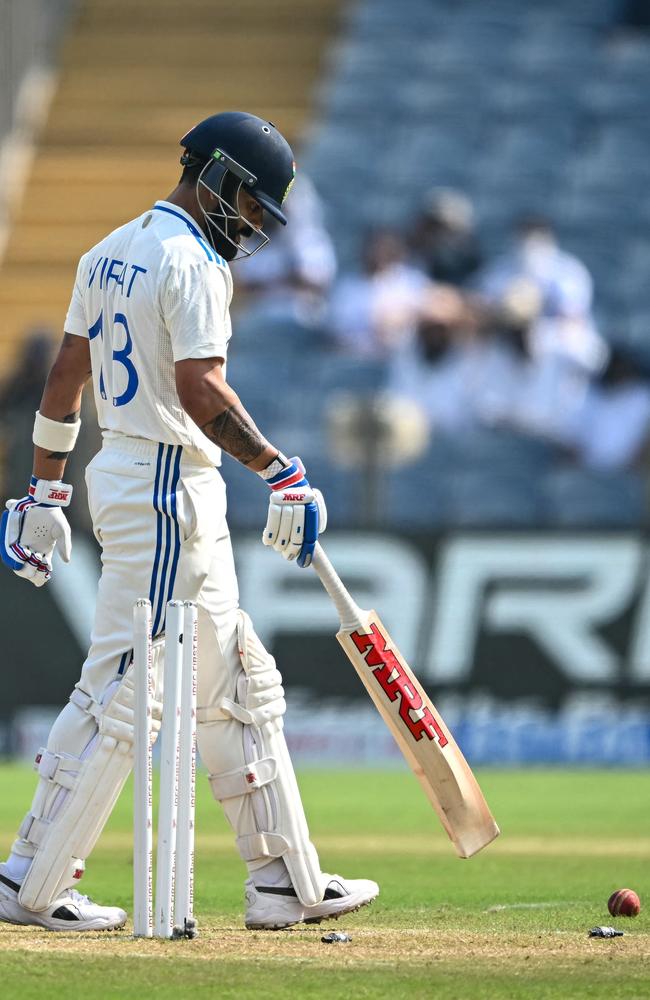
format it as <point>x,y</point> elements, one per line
<point>117,271</point>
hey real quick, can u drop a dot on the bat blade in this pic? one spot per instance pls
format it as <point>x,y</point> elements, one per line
<point>421,734</point>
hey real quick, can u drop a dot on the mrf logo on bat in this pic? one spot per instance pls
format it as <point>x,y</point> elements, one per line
<point>396,684</point>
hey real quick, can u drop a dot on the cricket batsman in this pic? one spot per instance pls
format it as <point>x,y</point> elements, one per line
<point>149,322</point>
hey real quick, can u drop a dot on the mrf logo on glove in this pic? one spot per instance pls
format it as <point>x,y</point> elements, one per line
<point>48,491</point>
<point>295,497</point>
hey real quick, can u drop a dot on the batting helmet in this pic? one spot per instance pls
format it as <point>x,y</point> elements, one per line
<point>250,149</point>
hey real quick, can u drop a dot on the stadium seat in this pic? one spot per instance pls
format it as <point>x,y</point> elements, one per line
<point>495,498</point>
<point>416,495</point>
<point>508,452</point>
<point>578,498</point>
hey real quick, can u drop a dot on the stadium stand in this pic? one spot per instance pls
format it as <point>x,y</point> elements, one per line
<point>550,124</point>
<point>521,107</point>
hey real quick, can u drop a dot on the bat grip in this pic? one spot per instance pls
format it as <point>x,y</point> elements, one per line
<point>348,611</point>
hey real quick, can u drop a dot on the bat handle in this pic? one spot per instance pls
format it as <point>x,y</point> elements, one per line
<point>349,612</point>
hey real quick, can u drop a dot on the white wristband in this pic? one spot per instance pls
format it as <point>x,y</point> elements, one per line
<point>279,463</point>
<point>54,435</point>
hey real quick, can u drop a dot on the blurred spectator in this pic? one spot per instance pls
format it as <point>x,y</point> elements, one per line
<point>292,278</point>
<point>374,312</point>
<point>537,268</point>
<point>461,376</point>
<point>550,387</point>
<point>465,373</point>
<point>444,241</point>
<point>610,430</point>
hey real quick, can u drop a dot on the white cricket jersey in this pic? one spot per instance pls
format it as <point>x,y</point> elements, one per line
<point>151,293</point>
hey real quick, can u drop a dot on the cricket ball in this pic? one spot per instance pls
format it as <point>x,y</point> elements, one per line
<point>624,903</point>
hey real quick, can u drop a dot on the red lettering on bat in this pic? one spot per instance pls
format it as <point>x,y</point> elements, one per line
<point>395,682</point>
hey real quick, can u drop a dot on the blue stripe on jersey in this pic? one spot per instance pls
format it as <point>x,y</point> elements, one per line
<point>163,500</point>
<point>177,530</point>
<point>159,524</point>
<point>209,251</point>
<point>167,548</point>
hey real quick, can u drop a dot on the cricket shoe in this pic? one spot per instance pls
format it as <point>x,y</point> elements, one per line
<point>70,912</point>
<point>270,907</point>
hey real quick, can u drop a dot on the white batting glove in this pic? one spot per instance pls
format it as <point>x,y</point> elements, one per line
<point>297,512</point>
<point>31,527</point>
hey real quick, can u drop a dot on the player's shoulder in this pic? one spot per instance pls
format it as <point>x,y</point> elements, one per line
<point>194,266</point>
<point>186,251</point>
<point>108,255</point>
<point>116,238</point>
<point>184,242</point>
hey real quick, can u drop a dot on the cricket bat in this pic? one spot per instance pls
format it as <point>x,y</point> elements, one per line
<point>420,732</point>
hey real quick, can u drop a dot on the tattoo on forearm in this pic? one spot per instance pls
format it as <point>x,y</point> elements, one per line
<point>234,431</point>
<point>71,418</point>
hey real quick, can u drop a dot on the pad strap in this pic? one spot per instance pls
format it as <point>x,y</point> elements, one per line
<point>57,768</point>
<point>115,718</point>
<point>33,829</point>
<point>86,703</point>
<point>22,848</point>
<point>254,846</point>
<point>243,780</point>
<point>248,717</point>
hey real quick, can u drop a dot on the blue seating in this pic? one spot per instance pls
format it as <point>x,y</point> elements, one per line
<point>579,498</point>
<point>481,499</point>
<point>503,451</point>
<point>416,495</point>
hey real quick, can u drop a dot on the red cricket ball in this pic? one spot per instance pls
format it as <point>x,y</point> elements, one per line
<point>624,903</point>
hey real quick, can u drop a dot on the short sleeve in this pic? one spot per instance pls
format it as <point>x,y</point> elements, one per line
<point>75,320</point>
<point>194,303</point>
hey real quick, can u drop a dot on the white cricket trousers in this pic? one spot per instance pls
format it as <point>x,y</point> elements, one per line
<point>160,519</point>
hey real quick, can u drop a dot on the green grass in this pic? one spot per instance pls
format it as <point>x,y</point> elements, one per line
<point>511,922</point>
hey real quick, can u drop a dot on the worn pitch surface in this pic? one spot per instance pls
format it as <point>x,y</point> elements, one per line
<point>511,922</point>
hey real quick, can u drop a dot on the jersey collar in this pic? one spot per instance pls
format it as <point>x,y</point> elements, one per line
<point>168,208</point>
<point>185,216</point>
